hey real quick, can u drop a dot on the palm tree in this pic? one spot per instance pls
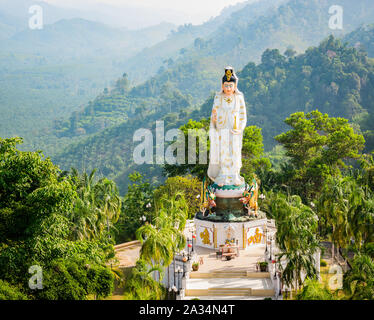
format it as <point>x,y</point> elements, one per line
<point>108,201</point>
<point>140,284</point>
<point>294,220</point>
<point>361,220</point>
<point>98,205</point>
<point>162,240</point>
<point>298,262</point>
<point>296,239</point>
<point>349,209</point>
<point>85,211</point>
<point>157,246</point>
<point>333,206</point>
<point>172,214</point>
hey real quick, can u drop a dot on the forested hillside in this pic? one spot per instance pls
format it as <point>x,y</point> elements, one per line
<point>181,43</point>
<point>50,73</point>
<point>333,78</point>
<point>252,29</point>
<point>295,24</point>
<point>362,38</point>
<point>191,79</point>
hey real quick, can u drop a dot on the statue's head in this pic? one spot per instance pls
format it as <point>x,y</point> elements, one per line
<point>229,81</point>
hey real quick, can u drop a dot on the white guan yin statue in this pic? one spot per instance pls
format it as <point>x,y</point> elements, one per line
<point>227,123</point>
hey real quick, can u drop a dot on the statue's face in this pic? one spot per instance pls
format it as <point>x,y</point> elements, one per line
<point>228,88</point>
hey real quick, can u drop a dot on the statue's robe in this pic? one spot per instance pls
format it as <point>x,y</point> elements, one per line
<point>226,147</point>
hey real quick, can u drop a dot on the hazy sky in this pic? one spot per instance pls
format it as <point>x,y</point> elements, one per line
<point>191,11</point>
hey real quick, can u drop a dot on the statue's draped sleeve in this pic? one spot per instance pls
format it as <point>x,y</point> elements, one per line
<point>213,169</point>
<point>242,113</point>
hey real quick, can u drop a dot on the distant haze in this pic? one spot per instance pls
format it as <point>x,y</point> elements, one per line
<point>142,13</point>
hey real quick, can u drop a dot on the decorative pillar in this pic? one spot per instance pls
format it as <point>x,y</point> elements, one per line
<point>317,260</point>
<point>244,237</point>
<point>215,236</point>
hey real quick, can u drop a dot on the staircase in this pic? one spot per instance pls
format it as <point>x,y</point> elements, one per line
<point>229,274</point>
<point>232,285</point>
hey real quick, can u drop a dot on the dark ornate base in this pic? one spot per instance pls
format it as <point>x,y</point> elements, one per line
<point>228,210</point>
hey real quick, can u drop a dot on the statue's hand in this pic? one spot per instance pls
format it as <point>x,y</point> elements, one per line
<point>214,116</point>
<point>233,131</point>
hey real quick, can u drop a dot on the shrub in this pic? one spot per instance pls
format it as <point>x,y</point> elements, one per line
<point>75,280</point>
<point>323,263</point>
<point>314,290</point>
<point>9,292</point>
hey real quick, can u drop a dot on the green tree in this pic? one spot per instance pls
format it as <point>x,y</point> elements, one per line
<point>190,187</point>
<point>346,211</point>
<point>157,247</point>
<point>35,202</point>
<point>75,279</point>
<point>109,202</point>
<point>253,153</point>
<point>138,202</point>
<point>97,207</point>
<point>162,240</point>
<point>198,130</point>
<point>317,146</point>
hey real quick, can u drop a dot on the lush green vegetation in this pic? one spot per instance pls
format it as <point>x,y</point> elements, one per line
<point>50,75</point>
<point>55,222</point>
<point>308,142</point>
<point>338,206</point>
<point>71,218</point>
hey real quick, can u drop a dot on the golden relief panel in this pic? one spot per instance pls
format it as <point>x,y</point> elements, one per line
<point>256,238</point>
<point>205,237</point>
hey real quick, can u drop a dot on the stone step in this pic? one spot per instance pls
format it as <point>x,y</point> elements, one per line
<point>230,292</point>
<point>227,274</point>
<point>236,298</point>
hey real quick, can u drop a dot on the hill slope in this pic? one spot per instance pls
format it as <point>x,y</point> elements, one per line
<point>252,29</point>
<point>49,73</point>
<point>332,77</point>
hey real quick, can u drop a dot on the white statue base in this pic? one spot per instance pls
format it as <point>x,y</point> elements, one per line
<point>246,235</point>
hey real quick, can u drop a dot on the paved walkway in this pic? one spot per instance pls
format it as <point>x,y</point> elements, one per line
<point>245,262</point>
<point>128,254</point>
